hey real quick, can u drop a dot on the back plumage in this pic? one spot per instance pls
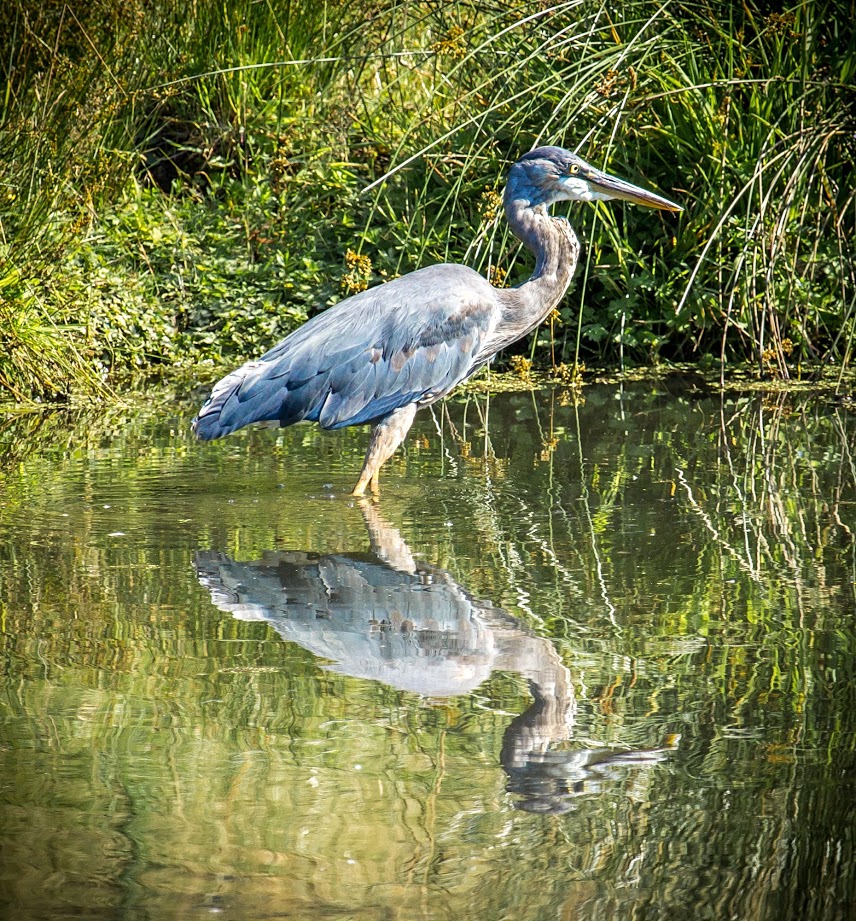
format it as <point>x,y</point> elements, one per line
<point>362,359</point>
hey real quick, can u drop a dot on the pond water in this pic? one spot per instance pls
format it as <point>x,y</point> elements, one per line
<point>583,660</point>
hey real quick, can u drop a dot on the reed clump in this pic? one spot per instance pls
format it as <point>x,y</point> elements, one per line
<point>182,184</point>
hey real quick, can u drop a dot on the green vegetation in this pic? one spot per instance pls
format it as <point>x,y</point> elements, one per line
<point>183,183</point>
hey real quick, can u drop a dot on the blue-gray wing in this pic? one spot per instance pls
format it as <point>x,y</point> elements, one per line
<point>408,341</point>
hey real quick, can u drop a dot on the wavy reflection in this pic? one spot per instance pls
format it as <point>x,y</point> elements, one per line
<point>384,616</point>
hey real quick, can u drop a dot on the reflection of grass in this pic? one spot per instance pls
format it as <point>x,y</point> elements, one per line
<point>744,500</point>
<point>753,505</point>
<point>131,702</point>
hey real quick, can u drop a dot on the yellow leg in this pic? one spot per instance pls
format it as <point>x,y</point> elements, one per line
<point>387,436</point>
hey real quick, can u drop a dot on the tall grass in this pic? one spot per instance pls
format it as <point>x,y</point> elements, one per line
<point>742,116</point>
<point>181,183</point>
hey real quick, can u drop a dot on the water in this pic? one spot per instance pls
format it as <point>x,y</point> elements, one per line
<point>597,663</point>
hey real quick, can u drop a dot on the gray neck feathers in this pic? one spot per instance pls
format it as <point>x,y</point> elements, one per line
<point>555,247</point>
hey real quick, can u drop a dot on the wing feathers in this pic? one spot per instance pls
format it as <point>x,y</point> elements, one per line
<point>408,341</point>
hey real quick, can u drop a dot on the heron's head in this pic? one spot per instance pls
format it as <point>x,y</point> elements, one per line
<point>550,174</point>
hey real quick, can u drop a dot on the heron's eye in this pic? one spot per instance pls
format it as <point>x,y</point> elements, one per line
<point>574,169</point>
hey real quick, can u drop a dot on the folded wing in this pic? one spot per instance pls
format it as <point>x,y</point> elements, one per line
<point>408,341</point>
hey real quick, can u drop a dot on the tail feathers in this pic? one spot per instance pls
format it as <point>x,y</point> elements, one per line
<point>227,409</point>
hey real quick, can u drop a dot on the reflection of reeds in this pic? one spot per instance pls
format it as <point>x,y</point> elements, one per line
<point>758,485</point>
<point>775,489</point>
<point>126,694</point>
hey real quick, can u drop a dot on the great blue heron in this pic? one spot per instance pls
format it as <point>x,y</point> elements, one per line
<point>380,355</point>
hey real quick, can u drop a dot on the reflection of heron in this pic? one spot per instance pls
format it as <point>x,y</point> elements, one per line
<point>383,616</point>
<point>378,356</point>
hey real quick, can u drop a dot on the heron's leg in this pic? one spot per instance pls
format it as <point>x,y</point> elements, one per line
<point>387,436</point>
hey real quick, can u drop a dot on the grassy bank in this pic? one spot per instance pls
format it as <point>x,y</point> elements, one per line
<point>181,184</point>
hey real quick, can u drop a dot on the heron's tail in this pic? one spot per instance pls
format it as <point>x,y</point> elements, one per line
<point>207,424</point>
<point>234,403</point>
<point>207,427</point>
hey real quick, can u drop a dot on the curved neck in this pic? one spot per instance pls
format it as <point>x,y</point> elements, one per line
<point>556,249</point>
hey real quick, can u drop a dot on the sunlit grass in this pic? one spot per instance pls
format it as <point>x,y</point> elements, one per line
<point>185,187</point>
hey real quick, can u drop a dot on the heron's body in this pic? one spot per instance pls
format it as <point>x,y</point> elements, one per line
<point>378,356</point>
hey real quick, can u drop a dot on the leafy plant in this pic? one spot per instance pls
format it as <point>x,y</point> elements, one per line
<point>185,186</point>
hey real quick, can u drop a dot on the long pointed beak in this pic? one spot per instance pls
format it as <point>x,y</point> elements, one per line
<point>618,188</point>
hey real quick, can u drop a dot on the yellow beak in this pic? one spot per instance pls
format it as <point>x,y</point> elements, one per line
<point>618,188</point>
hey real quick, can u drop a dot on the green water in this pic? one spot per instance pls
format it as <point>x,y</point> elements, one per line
<point>584,661</point>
